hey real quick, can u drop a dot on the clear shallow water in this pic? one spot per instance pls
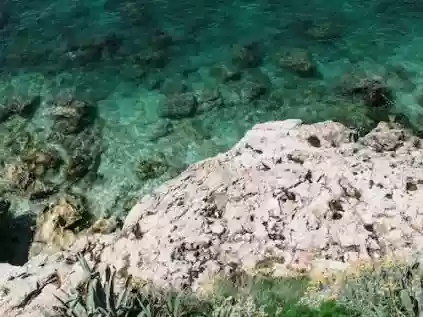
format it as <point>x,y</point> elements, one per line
<point>126,58</point>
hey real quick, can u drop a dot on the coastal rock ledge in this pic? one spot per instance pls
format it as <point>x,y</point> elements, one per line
<point>288,197</point>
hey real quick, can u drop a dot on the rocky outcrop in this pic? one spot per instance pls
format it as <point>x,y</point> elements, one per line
<point>287,198</point>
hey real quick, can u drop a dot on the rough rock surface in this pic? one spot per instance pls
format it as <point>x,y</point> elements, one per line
<point>288,197</point>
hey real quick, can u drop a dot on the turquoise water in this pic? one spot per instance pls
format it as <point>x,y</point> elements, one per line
<point>133,91</point>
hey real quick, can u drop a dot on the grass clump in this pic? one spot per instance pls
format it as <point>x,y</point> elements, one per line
<point>281,297</point>
<point>386,291</point>
<point>247,296</point>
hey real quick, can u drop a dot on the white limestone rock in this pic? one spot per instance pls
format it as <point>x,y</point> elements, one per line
<point>288,196</point>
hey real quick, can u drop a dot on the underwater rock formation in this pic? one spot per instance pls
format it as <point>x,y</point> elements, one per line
<point>78,131</point>
<point>179,106</point>
<point>224,73</point>
<point>38,169</point>
<point>72,116</point>
<point>208,100</point>
<point>288,198</point>
<point>22,107</point>
<point>322,29</point>
<point>371,89</point>
<point>298,61</point>
<point>148,169</point>
<point>59,223</point>
<point>246,56</point>
<point>37,166</point>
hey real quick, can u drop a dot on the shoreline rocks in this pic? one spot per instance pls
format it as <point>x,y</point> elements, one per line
<point>288,198</point>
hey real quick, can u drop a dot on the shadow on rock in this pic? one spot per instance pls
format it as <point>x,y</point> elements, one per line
<point>15,235</point>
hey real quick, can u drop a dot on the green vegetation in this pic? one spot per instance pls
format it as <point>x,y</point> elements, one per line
<point>246,296</point>
<point>385,291</point>
<point>281,297</point>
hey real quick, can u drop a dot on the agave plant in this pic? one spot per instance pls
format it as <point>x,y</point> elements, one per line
<point>411,294</point>
<point>96,298</point>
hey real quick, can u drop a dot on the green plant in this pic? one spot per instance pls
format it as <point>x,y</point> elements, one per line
<point>395,290</point>
<point>95,298</point>
<point>268,293</point>
<point>170,304</point>
<point>246,296</point>
<point>270,296</point>
<point>411,293</point>
<point>325,309</point>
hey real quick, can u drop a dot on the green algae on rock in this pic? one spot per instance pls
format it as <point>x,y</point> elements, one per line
<point>151,168</point>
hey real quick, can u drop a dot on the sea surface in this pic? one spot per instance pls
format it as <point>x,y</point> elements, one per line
<point>126,94</point>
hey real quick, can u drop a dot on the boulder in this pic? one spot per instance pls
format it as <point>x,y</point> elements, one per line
<point>224,73</point>
<point>178,106</point>
<point>209,99</point>
<point>372,88</point>
<point>72,116</point>
<point>24,106</point>
<point>302,194</point>
<point>298,61</point>
<point>246,56</point>
<point>59,223</point>
<point>150,168</point>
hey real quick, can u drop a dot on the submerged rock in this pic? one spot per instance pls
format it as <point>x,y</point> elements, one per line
<point>92,50</point>
<point>152,58</point>
<point>5,113</point>
<point>131,12</point>
<point>322,30</point>
<point>40,160</point>
<point>178,106</point>
<point>371,87</point>
<point>225,73</point>
<point>160,40</point>
<point>173,86</point>
<point>59,223</point>
<point>78,166</point>
<point>160,129</point>
<point>78,132</point>
<point>151,168</point>
<point>40,190</point>
<point>25,106</point>
<point>253,86</point>
<point>298,61</point>
<point>246,56</point>
<point>17,176</point>
<point>72,116</point>
<point>21,106</point>
<point>27,175</point>
<point>373,90</point>
<point>209,99</point>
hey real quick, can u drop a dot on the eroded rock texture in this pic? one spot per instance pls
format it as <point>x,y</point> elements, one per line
<point>288,197</point>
